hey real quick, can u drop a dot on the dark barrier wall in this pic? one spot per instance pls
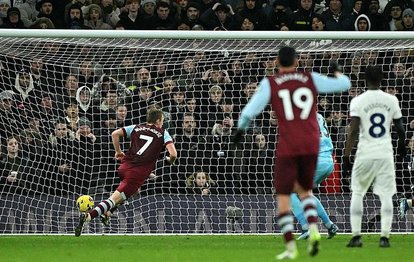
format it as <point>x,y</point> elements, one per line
<point>175,214</point>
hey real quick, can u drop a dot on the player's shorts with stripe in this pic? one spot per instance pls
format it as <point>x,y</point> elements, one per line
<point>289,169</point>
<point>380,173</point>
<point>132,177</point>
<point>324,168</point>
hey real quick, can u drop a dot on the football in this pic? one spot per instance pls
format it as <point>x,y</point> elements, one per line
<point>84,203</point>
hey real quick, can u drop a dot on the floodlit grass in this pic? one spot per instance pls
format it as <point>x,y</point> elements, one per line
<point>193,248</point>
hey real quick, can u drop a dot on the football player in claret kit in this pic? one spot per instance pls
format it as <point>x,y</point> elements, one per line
<point>293,96</point>
<point>147,142</point>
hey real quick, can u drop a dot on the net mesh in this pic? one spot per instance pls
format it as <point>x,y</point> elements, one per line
<point>62,98</point>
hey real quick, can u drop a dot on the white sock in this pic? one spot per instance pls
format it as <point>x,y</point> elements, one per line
<point>410,203</point>
<point>356,213</point>
<point>386,215</point>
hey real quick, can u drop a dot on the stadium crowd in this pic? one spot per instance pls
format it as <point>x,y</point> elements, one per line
<point>316,15</point>
<point>59,107</point>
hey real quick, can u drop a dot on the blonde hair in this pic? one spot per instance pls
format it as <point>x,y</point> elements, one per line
<point>189,182</point>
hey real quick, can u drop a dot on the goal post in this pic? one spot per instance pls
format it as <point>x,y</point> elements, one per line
<point>63,92</point>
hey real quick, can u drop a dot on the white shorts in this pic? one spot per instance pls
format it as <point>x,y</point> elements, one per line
<point>378,172</point>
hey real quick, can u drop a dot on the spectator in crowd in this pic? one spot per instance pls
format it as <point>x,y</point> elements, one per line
<point>25,89</point>
<point>377,20</point>
<point>107,163</point>
<point>46,9</point>
<point>191,143</point>
<point>362,23</point>
<point>12,120</point>
<point>301,19</point>
<point>334,16</point>
<point>85,154</point>
<point>4,6</point>
<point>191,14</point>
<point>132,19</point>
<point>62,157</point>
<point>199,183</point>
<point>94,18</point>
<point>28,12</point>
<point>163,19</point>
<point>394,16</point>
<point>220,17</point>
<point>148,9</point>
<point>122,116</point>
<point>255,14</point>
<point>279,17</point>
<point>408,20</point>
<point>257,162</point>
<point>111,12</point>
<point>318,23</point>
<point>85,105</point>
<point>15,169</point>
<point>67,94</point>
<point>42,23</point>
<point>76,18</point>
<point>13,19</point>
<point>72,117</point>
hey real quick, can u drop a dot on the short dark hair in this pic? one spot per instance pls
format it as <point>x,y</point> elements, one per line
<point>373,75</point>
<point>153,115</point>
<point>287,56</point>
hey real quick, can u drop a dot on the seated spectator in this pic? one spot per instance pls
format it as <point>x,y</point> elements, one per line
<point>334,17</point>
<point>191,14</point>
<point>14,169</point>
<point>377,19</point>
<point>163,19</point>
<point>362,23</point>
<point>408,20</point>
<point>132,19</point>
<point>76,18</point>
<point>148,9</point>
<point>279,16</point>
<point>219,17</point>
<point>4,6</point>
<point>394,16</point>
<point>254,12</point>
<point>93,18</point>
<point>13,19</point>
<point>318,23</point>
<point>28,12</point>
<point>300,20</point>
<point>46,9</point>
<point>199,183</point>
<point>111,12</point>
<point>42,23</point>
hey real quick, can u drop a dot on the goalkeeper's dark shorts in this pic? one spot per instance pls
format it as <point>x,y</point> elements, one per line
<point>289,169</point>
<point>132,178</point>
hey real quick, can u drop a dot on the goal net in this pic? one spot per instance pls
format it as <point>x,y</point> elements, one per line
<point>61,97</point>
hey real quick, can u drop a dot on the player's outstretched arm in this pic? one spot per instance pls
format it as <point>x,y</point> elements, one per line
<point>325,84</point>
<point>172,153</point>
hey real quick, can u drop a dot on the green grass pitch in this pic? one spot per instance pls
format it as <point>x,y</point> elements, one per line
<point>196,248</point>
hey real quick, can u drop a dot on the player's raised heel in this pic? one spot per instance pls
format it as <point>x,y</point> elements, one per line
<point>313,241</point>
<point>288,255</point>
<point>355,242</point>
<point>332,231</point>
<point>79,228</point>
<point>402,207</point>
<point>384,242</point>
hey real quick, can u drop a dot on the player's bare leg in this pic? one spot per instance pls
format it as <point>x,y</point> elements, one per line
<point>285,220</point>
<point>311,215</point>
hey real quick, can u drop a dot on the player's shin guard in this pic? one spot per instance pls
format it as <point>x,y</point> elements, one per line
<point>285,221</point>
<point>309,206</point>
<point>101,208</point>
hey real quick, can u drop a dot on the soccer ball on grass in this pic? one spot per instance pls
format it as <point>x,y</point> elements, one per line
<point>84,203</point>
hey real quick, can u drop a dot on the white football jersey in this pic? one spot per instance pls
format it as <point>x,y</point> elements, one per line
<point>376,110</point>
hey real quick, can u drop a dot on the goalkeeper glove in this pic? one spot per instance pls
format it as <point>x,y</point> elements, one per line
<point>237,136</point>
<point>346,166</point>
<point>335,67</point>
